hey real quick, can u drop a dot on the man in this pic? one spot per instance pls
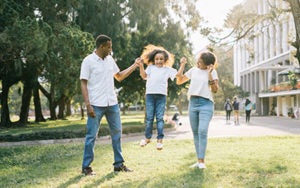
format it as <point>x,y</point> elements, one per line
<point>97,74</point>
<point>236,108</point>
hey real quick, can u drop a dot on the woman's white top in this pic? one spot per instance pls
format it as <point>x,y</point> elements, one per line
<point>199,82</point>
<point>157,79</point>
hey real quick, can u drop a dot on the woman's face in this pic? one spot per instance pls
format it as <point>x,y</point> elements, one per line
<point>159,59</point>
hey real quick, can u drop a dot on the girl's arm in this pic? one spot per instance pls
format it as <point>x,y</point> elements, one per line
<point>214,84</point>
<point>180,77</point>
<point>142,70</point>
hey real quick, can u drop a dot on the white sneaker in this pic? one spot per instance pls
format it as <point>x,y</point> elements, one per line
<point>201,166</point>
<point>143,143</point>
<point>198,165</point>
<point>159,146</point>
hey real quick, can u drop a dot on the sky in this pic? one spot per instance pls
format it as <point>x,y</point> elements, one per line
<point>215,12</point>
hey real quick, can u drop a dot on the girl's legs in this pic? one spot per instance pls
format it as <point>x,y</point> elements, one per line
<point>150,109</point>
<point>200,114</point>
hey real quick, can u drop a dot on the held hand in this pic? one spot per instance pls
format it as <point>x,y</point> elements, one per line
<point>183,61</point>
<point>137,62</point>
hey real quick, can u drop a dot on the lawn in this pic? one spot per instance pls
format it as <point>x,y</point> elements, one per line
<point>231,162</point>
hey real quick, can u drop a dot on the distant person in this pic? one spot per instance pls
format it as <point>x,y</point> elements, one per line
<point>203,82</point>
<point>97,74</point>
<point>236,109</point>
<point>228,109</point>
<point>176,119</point>
<point>156,75</point>
<point>248,108</point>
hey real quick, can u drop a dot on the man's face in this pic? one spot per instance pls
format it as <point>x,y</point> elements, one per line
<point>107,48</point>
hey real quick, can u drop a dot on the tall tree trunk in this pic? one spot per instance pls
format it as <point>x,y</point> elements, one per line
<point>61,109</point>
<point>26,97</point>
<point>68,107</point>
<point>37,105</point>
<point>5,119</point>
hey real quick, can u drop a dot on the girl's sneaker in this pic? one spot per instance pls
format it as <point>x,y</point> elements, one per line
<point>144,142</point>
<point>159,146</point>
<point>198,165</point>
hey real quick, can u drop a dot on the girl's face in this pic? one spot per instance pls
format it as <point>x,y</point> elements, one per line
<point>201,64</point>
<point>159,60</point>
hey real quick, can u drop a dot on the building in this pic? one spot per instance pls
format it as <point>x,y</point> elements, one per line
<point>263,59</point>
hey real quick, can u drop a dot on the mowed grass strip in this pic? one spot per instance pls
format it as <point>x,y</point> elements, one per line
<point>231,162</point>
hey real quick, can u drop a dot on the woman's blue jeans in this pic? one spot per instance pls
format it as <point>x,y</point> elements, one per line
<point>200,113</point>
<point>155,106</point>
<point>112,114</point>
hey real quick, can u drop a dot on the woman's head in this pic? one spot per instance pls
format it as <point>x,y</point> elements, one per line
<point>205,59</point>
<point>158,57</point>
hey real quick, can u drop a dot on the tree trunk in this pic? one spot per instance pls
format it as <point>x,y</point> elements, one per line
<point>82,111</point>
<point>68,107</point>
<point>5,119</point>
<point>26,97</point>
<point>61,109</point>
<point>37,105</point>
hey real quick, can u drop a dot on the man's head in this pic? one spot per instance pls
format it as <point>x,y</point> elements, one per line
<point>103,45</point>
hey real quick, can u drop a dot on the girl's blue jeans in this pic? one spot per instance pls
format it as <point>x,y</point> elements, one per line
<point>200,113</point>
<point>112,114</point>
<point>155,107</point>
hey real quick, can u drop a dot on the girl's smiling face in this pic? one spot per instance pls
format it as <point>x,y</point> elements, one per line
<point>159,60</point>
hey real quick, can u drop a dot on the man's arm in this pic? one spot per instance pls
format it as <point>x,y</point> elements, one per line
<point>85,94</point>
<point>123,74</point>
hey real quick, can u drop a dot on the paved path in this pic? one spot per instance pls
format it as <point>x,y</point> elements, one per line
<point>259,126</point>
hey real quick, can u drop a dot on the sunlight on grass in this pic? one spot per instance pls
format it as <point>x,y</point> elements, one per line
<point>231,162</point>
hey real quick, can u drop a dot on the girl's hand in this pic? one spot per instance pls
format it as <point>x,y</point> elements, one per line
<point>210,68</point>
<point>183,61</point>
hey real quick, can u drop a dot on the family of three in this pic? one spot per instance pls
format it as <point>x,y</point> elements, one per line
<point>98,71</point>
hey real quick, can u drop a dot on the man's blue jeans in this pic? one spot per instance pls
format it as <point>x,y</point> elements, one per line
<point>155,106</point>
<point>200,113</point>
<point>112,114</point>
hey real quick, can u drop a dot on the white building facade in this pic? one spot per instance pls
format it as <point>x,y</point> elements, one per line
<point>262,60</point>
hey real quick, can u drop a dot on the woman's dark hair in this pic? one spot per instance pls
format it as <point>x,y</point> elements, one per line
<point>208,58</point>
<point>247,102</point>
<point>152,55</point>
<point>101,39</point>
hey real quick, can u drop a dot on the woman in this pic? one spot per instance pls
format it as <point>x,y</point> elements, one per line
<point>204,82</point>
<point>248,108</point>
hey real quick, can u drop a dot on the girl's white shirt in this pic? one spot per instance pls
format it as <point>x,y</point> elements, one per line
<point>199,82</point>
<point>157,79</point>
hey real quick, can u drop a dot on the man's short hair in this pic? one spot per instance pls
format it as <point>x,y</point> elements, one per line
<point>102,39</point>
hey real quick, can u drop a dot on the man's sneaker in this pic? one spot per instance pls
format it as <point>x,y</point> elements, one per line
<point>144,142</point>
<point>159,146</point>
<point>122,168</point>
<point>88,171</point>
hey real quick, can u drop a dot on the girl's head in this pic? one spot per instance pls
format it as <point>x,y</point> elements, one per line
<point>205,59</point>
<point>158,57</point>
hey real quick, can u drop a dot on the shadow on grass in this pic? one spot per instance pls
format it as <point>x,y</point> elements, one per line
<point>75,180</point>
<point>103,179</point>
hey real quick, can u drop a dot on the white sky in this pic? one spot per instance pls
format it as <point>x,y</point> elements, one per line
<point>215,12</point>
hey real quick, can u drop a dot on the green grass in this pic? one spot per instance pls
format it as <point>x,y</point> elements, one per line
<point>231,162</point>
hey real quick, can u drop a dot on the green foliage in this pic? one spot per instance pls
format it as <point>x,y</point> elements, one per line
<point>292,79</point>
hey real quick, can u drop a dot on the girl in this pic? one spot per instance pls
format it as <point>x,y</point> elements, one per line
<point>157,75</point>
<point>204,82</point>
